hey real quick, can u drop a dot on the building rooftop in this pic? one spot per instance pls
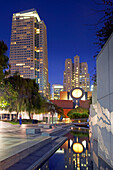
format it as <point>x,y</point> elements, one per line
<point>28,13</point>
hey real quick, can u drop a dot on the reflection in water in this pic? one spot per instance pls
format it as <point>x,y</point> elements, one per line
<point>98,162</point>
<point>67,158</point>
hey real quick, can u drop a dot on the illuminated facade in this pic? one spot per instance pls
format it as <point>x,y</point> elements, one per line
<point>76,75</point>
<point>84,77</point>
<point>28,48</point>
<point>56,89</point>
<point>76,72</point>
<point>68,75</point>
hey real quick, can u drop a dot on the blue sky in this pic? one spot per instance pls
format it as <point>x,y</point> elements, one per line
<point>69,32</point>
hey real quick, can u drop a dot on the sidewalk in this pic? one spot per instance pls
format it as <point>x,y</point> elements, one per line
<point>15,145</point>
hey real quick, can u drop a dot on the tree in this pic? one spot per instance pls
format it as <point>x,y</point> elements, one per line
<point>59,110</point>
<point>3,60</point>
<point>33,99</point>
<point>28,96</point>
<point>8,96</point>
<point>106,30</point>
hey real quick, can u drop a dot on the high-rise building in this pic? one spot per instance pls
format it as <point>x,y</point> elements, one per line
<point>56,89</point>
<point>76,71</point>
<point>68,75</point>
<point>84,77</point>
<point>28,48</point>
<point>76,75</point>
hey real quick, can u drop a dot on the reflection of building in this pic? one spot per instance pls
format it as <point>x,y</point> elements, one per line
<point>56,89</point>
<point>76,75</point>
<point>74,160</point>
<point>28,48</point>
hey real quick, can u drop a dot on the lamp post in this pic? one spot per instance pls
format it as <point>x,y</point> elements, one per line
<point>77,93</point>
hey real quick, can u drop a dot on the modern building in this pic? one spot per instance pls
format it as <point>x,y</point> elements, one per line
<point>56,89</point>
<point>84,77</point>
<point>76,75</point>
<point>28,48</point>
<point>68,75</point>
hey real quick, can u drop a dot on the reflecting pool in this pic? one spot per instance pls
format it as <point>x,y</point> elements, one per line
<point>73,154</point>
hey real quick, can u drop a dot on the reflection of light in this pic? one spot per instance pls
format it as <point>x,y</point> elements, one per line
<point>77,147</point>
<point>79,121</point>
<point>84,143</point>
<point>71,142</point>
<point>65,166</point>
<point>60,151</point>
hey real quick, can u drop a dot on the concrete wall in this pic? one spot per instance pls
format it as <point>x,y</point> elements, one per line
<point>93,115</point>
<point>105,101</point>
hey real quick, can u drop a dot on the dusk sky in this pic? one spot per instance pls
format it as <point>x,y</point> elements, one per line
<point>68,30</point>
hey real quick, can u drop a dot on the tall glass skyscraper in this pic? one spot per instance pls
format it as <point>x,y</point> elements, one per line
<point>28,48</point>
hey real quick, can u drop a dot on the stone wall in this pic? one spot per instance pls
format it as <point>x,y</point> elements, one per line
<point>105,101</point>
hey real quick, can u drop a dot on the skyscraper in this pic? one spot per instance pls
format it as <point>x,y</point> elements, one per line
<point>76,75</point>
<point>84,76</point>
<point>68,75</point>
<point>28,48</point>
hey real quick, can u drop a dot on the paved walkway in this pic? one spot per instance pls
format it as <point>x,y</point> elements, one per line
<point>13,140</point>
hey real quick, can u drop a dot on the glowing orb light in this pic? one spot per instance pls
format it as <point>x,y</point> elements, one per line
<point>77,147</point>
<point>77,93</point>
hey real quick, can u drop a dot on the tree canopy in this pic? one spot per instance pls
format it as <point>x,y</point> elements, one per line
<point>28,97</point>
<point>106,29</point>
<point>4,64</point>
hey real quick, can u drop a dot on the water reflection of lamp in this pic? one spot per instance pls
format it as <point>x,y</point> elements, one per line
<point>77,148</point>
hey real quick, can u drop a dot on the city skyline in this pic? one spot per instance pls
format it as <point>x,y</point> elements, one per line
<point>65,39</point>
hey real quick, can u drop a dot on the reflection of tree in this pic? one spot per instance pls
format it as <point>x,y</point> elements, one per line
<point>79,134</point>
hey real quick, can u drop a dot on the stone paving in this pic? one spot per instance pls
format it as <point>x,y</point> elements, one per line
<point>13,139</point>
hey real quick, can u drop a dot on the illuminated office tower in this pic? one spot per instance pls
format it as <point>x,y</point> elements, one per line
<point>84,77</point>
<point>76,75</point>
<point>28,48</point>
<point>56,89</point>
<point>76,71</point>
<point>68,75</point>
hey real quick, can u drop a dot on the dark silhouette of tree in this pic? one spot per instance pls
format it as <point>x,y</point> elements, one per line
<point>106,29</point>
<point>4,60</point>
<point>107,20</point>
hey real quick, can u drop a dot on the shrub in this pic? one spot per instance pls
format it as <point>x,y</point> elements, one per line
<point>75,115</point>
<point>78,115</point>
<point>85,115</point>
<point>78,110</point>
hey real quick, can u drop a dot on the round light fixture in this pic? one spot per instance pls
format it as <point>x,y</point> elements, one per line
<point>77,147</point>
<point>77,93</point>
